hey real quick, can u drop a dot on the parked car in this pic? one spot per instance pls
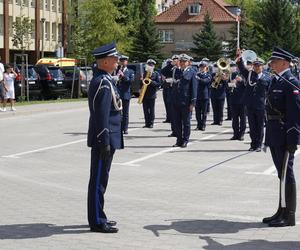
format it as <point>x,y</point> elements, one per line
<point>52,81</point>
<point>82,78</point>
<point>33,81</point>
<point>87,76</point>
<point>139,69</point>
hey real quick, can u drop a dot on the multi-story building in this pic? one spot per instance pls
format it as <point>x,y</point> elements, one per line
<point>48,18</point>
<point>163,5</point>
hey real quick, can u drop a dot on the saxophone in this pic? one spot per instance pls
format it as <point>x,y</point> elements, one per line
<point>146,82</point>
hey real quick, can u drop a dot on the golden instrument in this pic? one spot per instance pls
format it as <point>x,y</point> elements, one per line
<point>146,82</point>
<point>223,69</point>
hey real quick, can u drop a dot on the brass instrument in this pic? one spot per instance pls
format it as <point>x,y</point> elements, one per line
<point>146,82</point>
<point>223,69</point>
<point>248,55</point>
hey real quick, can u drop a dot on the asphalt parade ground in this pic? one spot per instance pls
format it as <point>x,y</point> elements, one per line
<point>210,195</point>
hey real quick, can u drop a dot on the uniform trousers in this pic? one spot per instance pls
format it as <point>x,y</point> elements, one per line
<point>278,157</point>
<point>149,111</point>
<point>166,97</point>
<point>218,109</point>
<point>256,125</point>
<point>125,114</point>
<point>238,120</point>
<point>99,174</point>
<point>182,123</point>
<point>229,107</point>
<point>201,112</point>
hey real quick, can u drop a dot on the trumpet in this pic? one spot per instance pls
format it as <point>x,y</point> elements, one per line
<point>223,70</point>
<point>146,82</point>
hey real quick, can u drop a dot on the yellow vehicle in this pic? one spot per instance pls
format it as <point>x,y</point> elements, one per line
<point>60,62</point>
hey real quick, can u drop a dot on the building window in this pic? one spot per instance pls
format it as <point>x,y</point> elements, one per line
<point>32,3</point>
<point>10,24</point>
<point>60,6</point>
<point>18,2</point>
<point>47,5</point>
<point>42,4</point>
<point>54,32</point>
<point>33,29</point>
<point>47,31</point>
<point>1,25</point>
<point>166,36</point>
<point>54,3</point>
<point>25,3</point>
<point>194,9</point>
<point>60,32</point>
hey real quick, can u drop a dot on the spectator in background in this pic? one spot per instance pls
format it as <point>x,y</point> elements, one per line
<point>9,77</point>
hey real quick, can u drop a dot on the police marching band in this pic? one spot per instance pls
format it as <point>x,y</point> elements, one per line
<point>270,101</point>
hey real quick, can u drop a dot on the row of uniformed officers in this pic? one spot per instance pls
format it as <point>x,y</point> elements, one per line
<point>249,88</point>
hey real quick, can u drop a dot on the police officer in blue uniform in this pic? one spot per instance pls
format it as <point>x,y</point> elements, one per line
<point>283,134</point>
<point>203,78</point>
<point>185,94</point>
<point>257,83</point>
<point>104,134</point>
<point>218,94</point>
<point>228,90</point>
<point>236,91</point>
<point>125,78</point>
<point>150,95</point>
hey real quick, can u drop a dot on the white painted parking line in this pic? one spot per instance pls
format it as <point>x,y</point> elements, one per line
<point>133,162</point>
<point>42,149</point>
<point>269,171</point>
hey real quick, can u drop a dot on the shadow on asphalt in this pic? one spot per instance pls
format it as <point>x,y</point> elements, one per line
<point>38,230</point>
<point>251,244</point>
<point>204,227</point>
<point>131,137</point>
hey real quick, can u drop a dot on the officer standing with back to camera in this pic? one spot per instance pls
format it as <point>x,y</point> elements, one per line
<point>236,88</point>
<point>104,134</point>
<point>203,78</point>
<point>257,83</point>
<point>185,94</point>
<point>150,95</point>
<point>125,78</point>
<point>283,134</point>
<point>218,95</point>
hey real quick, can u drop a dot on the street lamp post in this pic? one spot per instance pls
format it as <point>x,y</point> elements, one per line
<point>43,35</point>
<point>238,14</point>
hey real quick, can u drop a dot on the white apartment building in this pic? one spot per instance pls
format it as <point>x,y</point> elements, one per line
<point>163,5</point>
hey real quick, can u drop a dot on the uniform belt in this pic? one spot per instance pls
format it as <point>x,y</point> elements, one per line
<point>274,117</point>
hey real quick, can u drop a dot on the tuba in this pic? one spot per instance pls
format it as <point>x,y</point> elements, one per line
<point>248,55</point>
<point>223,68</point>
<point>146,82</point>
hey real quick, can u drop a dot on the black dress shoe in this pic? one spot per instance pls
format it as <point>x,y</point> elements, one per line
<point>241,138</point>
<point>166,121</point>
<point>258,149</point>
<point>251,149</point>
<point>150,126</point>
<point>111,223</point>
<point>184,145</point>
<point>220,123</point>
<point>177,145</point>
<point>146,126</point>
<point>104,228</point>
<point>125,132</point>
<point>228,119</point>
<point>172,135</point>
<point>287,220</point>
<point>214,123</point>
<point>202,129</point>
<point>234,138</point>
<point>197,128</point>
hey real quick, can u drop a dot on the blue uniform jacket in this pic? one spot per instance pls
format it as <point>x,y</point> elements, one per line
<point>186,87</point>
<point>125,83</point>
<point>254,96</point>
<point>283,112</point>
<point>105,120</point>
<point>203,83</point>
<point>237,93</point>
<point>154,85</point>
<point>220,92</point>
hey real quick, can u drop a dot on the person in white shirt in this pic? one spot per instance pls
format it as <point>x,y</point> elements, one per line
<point>9,77</point>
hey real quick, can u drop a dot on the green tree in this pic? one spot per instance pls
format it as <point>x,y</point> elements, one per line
<point>21,39</point>
<point>145,42</point>
<point>206,41</point>
<point>277,24</point>
<point>96,24</point>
